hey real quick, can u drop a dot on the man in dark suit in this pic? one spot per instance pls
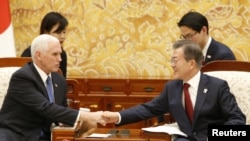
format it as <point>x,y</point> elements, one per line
<point>211,101</point>
<point>28,112</point>
<point>194,26</point>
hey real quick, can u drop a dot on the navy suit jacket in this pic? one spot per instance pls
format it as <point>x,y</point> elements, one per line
<point>214,105</point>
<point>26,109</point>
<point>218,51</point>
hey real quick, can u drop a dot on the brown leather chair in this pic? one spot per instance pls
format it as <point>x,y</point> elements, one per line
<point>14,61</point>
<point>226,65</point>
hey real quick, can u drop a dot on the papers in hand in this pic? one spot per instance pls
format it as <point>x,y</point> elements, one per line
<point>171,129</point>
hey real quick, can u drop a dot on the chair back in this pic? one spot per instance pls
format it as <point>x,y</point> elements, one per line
<point>237,74</point>
<point>8,66</point>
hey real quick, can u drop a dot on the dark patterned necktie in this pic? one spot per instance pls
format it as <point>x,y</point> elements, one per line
<point>188,104</point>
<point>50,89</point>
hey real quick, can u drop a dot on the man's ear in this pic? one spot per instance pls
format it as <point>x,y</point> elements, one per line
<point>204,29</point>
<point>192,63</point>
<point>38,55</point>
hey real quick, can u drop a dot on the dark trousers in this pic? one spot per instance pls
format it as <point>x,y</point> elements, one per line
<point>8,135</point>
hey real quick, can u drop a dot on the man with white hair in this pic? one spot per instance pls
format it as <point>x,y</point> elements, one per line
<point>30,107</point>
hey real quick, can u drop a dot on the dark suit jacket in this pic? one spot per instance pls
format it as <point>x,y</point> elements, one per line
<point>218,51</point>
<point>214,105</point>
<point>26,109</point>
<point>63,63</point>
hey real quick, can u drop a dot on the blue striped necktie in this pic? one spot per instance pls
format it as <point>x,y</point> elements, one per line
<point>50,89</point>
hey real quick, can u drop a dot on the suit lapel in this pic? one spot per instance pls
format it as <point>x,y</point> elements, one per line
<point>39,80</point>
<point>210,51</point>
<point>41,83</point>
<point>179,111</point>
<point>56,86</point>
<point>201,96</point>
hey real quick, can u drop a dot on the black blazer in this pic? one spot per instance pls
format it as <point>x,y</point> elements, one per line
<point>214,105</point>
<point>26,109</point>
<point>63,63</point>
<point>218,51</point>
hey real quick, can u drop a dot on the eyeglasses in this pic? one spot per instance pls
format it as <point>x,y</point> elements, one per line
<point>173,61</point>
<point>188,36</point>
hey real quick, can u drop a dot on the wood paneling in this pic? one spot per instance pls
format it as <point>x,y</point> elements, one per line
<point>109,93</point>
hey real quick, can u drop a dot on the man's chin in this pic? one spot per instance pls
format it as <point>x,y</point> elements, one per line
<point>57,70</point>
<point>176,77</point>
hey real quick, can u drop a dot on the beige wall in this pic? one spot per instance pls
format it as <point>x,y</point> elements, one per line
<point>129,37</point>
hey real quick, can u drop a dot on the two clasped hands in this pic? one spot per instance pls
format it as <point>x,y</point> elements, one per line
<point>89,121</point>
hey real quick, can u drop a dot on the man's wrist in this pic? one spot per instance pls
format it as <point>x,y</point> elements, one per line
<point>119,118</point>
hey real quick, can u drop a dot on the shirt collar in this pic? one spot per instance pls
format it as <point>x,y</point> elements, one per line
<point>204,51</point>
<point>42,74</point>
<point>194,81</point>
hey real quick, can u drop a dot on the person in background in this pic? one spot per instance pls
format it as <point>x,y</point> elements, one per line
<point>29,110</point>
<point>194,26</point>
<point>211,100</point>
<point>55,24</point>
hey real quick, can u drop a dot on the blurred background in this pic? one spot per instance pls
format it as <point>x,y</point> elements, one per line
<point>129,37</point>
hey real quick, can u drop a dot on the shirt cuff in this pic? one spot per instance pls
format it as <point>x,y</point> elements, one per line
<point>77,119</point>
<point>119,118</point>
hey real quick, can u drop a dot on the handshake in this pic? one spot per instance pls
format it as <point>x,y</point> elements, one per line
<point>88,121</point>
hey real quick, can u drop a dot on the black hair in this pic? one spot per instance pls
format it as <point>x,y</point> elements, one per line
<point>51,19</point>
<point>194,20</point>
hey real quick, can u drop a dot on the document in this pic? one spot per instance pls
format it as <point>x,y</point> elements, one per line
<point>171,129</point>
<point>97,135</point>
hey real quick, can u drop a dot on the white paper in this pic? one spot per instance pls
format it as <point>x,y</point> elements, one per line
<point>97,135</point>
<point>171,129</point>
<point>64,127</point>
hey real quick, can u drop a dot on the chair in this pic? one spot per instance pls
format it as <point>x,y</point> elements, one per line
<point>237,74</point>
<point>8,66</point>
<point>14,61</point>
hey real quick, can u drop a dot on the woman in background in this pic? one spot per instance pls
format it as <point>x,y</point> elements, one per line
<point>55,24</point>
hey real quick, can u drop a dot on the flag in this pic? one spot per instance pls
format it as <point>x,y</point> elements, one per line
<point>7,44</point>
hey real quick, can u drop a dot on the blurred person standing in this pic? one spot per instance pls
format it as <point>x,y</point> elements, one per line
<point>53,23</point>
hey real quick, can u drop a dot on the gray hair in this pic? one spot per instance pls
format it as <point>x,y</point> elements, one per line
<point>40,43</point>
<point>191,51</point>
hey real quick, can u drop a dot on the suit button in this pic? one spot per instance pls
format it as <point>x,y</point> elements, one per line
<point>194,133</point>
